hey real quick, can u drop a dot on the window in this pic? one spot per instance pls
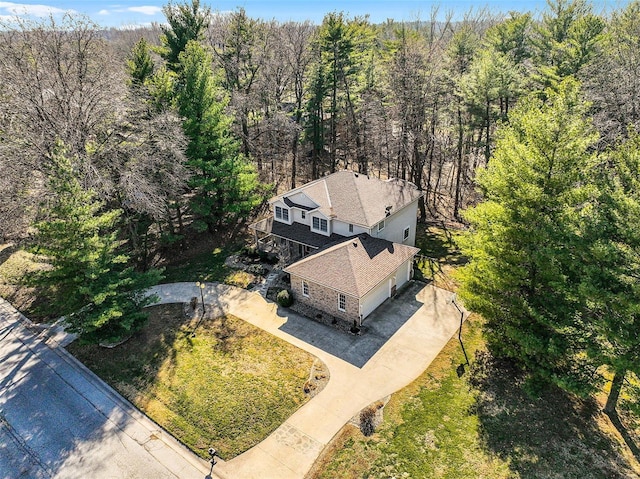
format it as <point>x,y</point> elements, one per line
<point>304,215</point>
<point>305,289</point>
<point>405,234</point>
<point>282,213</point>
<point>319,224</point>
<point>381,225</point>
<point>350,228</point>
<point>342,302</point>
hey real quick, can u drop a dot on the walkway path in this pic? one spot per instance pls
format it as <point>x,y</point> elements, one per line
<point>268,281</point>
<point>401,339</point>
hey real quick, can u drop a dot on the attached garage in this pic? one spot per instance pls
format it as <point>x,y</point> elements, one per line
<point>385,289</point>
<point>352,278</point>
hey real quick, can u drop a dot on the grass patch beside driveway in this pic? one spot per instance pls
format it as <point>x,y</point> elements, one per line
<point>481,425</point>
<point>228,387</point>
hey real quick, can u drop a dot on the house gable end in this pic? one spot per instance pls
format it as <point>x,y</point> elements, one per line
<point>300,200</point>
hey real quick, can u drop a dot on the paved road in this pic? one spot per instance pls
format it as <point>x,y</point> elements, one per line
<point>399,342</point>
<point>57,420</point>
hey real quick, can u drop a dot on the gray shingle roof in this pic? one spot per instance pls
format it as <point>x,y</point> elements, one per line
<point>295,232</point>
<point>355,198</point>
<point>354,266</point>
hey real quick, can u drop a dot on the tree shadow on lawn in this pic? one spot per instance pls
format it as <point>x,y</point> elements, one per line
<point>627,433</point>
<point>143,353</point>
<point>6,251</point>
<point>556,435</point>
<point>210,385</point>
<point>440,244</point>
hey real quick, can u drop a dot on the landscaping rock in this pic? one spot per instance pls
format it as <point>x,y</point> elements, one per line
<point>256,269</point>
<point>234,262</point>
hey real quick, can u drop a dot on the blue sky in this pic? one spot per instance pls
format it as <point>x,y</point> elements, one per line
<point>140,12</point>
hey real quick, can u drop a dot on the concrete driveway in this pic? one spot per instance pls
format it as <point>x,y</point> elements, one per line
<point>58,420</point>
<point>399,342</point>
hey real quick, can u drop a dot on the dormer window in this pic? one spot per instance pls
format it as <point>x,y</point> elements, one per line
<point>320,224</point>
<point>282,213</point>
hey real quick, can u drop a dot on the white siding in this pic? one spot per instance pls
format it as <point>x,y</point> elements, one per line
<point>297,216</point>
<point>396,224</point>
<point>316,214</point>
<point>342,228</point>
<point>380,293</point>
<point>281,205</point>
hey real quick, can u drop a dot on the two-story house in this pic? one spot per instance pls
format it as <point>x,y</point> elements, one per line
<point>353,237</point>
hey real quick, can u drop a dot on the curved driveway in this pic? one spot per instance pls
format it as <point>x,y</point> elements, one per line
<point>400,340</point>
<point>57,419</point>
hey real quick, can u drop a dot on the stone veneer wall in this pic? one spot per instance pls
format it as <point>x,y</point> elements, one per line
<point>325,299</point>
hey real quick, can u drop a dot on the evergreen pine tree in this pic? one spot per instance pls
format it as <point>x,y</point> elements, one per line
<point>140,65</point>
<point>525,247</point>
<point>185,22</point>
<point>224,182</point>
<point>611,271</point>
<point>89,279</point>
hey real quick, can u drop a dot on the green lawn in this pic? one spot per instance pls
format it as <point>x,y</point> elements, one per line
<point>228,387</point>
<point>479,426</point>
<point>440,255</point>
<point>206,266</point>
<point>14,264</point>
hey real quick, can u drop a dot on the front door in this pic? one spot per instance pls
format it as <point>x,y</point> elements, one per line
<point>392,286</point>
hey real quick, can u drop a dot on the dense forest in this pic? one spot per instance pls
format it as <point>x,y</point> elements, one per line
<point>117,146</point>
<point>143,114</point>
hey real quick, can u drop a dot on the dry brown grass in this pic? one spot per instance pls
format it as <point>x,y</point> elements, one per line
<point>228,387</point>
<point>15,264</point>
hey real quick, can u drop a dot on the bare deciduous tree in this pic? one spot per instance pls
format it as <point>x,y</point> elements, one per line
<point>64,84</point>
<point>296,38</point>
<point>61,80</point>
